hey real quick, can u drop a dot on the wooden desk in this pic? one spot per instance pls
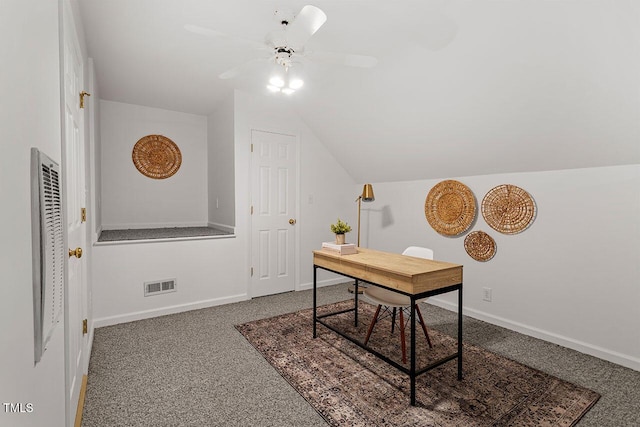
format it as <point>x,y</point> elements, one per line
<point>415,277</point>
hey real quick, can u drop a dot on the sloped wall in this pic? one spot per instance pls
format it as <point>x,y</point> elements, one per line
<point>326,189</point>
<point>571,278</point>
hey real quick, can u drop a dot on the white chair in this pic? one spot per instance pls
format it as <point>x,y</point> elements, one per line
<point>392,301</point>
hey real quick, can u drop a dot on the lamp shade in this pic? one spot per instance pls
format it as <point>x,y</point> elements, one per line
<point>367,193</point>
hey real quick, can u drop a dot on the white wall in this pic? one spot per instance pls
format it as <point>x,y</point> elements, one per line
<point>132,200</point>
<point>220,167</point>
<point>207,274</point>
<point>94,185</point>
<point>213,272</point>
<point>29,117</point>
<point>326,190</point>
<point>571,278</point>
<point>94,162</point>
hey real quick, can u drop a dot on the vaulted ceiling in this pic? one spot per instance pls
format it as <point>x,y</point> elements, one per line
<point>460,87</point>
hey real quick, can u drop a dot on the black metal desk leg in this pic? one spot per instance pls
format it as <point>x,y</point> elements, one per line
<point>355,314</point>
<point>412,369</point>
<point>315,303</point>
<point>460,332</point>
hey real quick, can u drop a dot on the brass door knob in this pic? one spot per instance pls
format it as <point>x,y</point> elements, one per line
<point>292,221</point>
<point>77,252</point>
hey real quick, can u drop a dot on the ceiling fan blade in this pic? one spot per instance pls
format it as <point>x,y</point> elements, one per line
<point>437,31</point>
<point>233,72</point>
<point>350,60</point>
<point>305,24</point>
<point>196,29</point>
<point>229,74</point>
<point>208,32</point>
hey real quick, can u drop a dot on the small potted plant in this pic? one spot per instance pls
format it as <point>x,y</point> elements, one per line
<point>340,228</point>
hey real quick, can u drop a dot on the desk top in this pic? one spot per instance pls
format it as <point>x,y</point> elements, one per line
<point>406,273</point>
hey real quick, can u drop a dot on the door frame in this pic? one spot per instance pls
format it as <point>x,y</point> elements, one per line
<point>68,28</point>
<point>296,256</point>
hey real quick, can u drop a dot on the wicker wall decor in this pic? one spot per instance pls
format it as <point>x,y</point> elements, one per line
<point>156,156</point>
<point>450,207</point>
<point>508,209</point>
<point>480,246</point>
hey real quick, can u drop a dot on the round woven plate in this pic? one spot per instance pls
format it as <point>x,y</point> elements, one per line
<point>156,156</point>
<point>480,246</point>
<point>508,209</point>
<point>450,207</point>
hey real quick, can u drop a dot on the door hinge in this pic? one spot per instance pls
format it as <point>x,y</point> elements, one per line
<point>251,209</point>
<point>84,327</point>
<point>83,215</point>
<point>252,148</point>
<point>82,95</point>
<point>251,271</point>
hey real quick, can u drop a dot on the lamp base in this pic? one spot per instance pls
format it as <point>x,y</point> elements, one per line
<point>352,288</point>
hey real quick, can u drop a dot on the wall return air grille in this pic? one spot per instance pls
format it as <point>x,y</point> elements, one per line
<point>48,248</point>
<point>159,287</point>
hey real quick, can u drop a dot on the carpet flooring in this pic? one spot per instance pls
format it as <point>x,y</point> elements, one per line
<point>158,233</point>
<point>196,369</point>
<point>350,387</point>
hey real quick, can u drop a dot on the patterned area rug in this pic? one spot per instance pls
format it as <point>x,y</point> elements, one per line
<point>350,387</point>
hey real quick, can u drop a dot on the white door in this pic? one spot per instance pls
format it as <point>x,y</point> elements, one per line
<point>75,200</point>
<point>273,218</point>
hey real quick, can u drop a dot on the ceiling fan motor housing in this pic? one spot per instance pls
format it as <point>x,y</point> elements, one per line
<point>284,16</point>
<point>283,55</point>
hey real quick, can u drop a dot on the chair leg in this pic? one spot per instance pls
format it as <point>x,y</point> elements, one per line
<point>402,339</point>
<point>373,322</point>
<point>424,328</point>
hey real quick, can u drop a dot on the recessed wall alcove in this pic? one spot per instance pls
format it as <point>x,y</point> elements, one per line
<point>137,207</point>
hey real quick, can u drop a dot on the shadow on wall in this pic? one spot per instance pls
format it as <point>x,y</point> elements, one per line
<point>387,216</point>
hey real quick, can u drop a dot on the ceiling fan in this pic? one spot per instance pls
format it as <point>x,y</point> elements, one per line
<point>286,48</point>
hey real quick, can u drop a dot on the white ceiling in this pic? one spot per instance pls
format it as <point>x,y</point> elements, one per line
<point>461,87</point>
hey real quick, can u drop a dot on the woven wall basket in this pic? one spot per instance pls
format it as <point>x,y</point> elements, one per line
<point>156,156</point>
<point>508,209</point>
<point>480,246</point>
<point>450,207</point>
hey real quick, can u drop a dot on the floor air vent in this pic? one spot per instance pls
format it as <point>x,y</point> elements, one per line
<point>159,287</point>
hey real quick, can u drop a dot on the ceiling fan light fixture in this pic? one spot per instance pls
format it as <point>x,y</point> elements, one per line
<point>276,81</point>
<point>287,49</point>
<point>296,83</point>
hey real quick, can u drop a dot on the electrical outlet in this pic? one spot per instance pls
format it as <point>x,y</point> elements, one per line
<point>486,294</point>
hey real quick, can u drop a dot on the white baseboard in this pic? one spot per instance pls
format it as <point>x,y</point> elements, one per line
<point>147,314</point>
<point>321,283</point>
<point>592,350</point>
<point>96,234</point>
<point>223,227</point>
